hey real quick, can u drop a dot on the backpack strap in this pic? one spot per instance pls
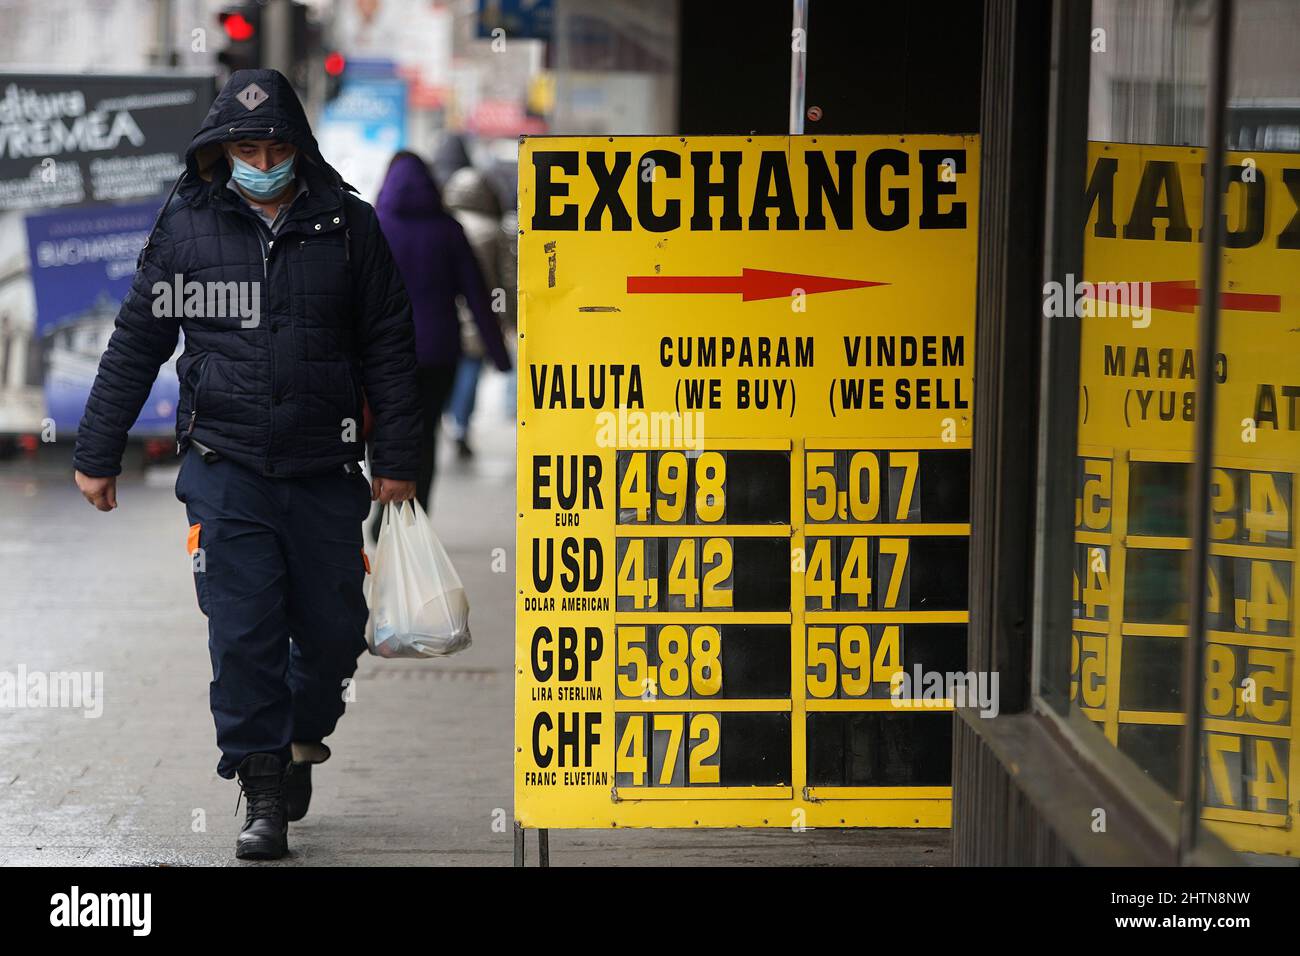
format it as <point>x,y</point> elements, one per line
<point>168,204</point>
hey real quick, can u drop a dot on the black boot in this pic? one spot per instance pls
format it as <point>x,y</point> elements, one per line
<point>297,790</point>
<point>265,834</point>
<point>297,779</point>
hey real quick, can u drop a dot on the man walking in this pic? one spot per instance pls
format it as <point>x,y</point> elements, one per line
<point>294,315</point>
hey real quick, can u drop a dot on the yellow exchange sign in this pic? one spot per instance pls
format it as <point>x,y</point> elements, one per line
<point>743,457</point>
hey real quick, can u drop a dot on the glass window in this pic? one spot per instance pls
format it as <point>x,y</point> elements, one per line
<point>1138,302</point>
<point>615,67</point>
<point>1136,404</point>
<point>1249,732</point>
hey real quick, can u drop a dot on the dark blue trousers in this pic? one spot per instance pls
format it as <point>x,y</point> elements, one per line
<point>278,574</point>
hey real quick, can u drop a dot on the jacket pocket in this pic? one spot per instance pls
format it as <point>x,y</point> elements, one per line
<point>180,473</point>
<point>197,392</point>
<point>323,263</point>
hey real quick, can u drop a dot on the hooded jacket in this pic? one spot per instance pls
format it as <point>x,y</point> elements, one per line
<point>474,205</point>
<point>449,156</point>
<point>286,334</point>
<point>470,199</point>
<point>437,264</point>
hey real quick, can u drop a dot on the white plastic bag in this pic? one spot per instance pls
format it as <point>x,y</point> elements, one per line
<point>417,604</point>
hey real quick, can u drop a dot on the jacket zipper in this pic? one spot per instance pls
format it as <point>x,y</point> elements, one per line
<point>194,401</point>
<point>268,246</point>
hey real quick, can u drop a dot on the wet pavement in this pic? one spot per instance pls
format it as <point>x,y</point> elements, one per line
<point>421,766</point>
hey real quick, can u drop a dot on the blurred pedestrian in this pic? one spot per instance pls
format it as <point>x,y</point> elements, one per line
<point>269,420</point>
<point>437,264</point>
<point>449,155</point>
<point>470,198</point>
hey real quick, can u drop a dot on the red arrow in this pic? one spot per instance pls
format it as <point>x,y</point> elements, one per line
<point>752,284</point>
<point>1182,295</point>
<point>1175,296</point>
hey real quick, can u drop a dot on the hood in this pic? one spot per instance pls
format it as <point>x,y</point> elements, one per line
<point>468,190</point>
<point>449,156</point>
<point>409,189</point>
<point>254,104</point>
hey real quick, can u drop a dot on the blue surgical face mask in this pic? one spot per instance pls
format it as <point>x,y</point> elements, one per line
<point>258,184</point>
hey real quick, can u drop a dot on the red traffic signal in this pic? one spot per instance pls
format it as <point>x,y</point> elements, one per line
<point>335,63</point>
<point>242,24</point>
<point>238,27</point>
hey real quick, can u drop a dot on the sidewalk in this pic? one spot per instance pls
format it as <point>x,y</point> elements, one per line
<point>421,772</point>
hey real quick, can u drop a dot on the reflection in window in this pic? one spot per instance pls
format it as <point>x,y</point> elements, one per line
<point>1250,725</point>
<point>1137,412</point>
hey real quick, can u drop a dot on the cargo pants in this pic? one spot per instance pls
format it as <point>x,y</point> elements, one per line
<point>278,570</point>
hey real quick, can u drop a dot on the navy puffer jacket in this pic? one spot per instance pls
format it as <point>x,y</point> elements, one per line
<point>283,395</point>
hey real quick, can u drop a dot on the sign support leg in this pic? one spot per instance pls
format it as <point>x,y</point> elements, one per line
<point>543,847</point>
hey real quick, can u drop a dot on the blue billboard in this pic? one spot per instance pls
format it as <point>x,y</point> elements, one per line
<point>362,128</point>
<point>82,264</point>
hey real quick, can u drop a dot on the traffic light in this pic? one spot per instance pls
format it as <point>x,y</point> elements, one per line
<point>301,52</point>
<point>335,64</point>
<point>242,25</point>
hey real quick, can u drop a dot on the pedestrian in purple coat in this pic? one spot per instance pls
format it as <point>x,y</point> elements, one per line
<point>437,265</point>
